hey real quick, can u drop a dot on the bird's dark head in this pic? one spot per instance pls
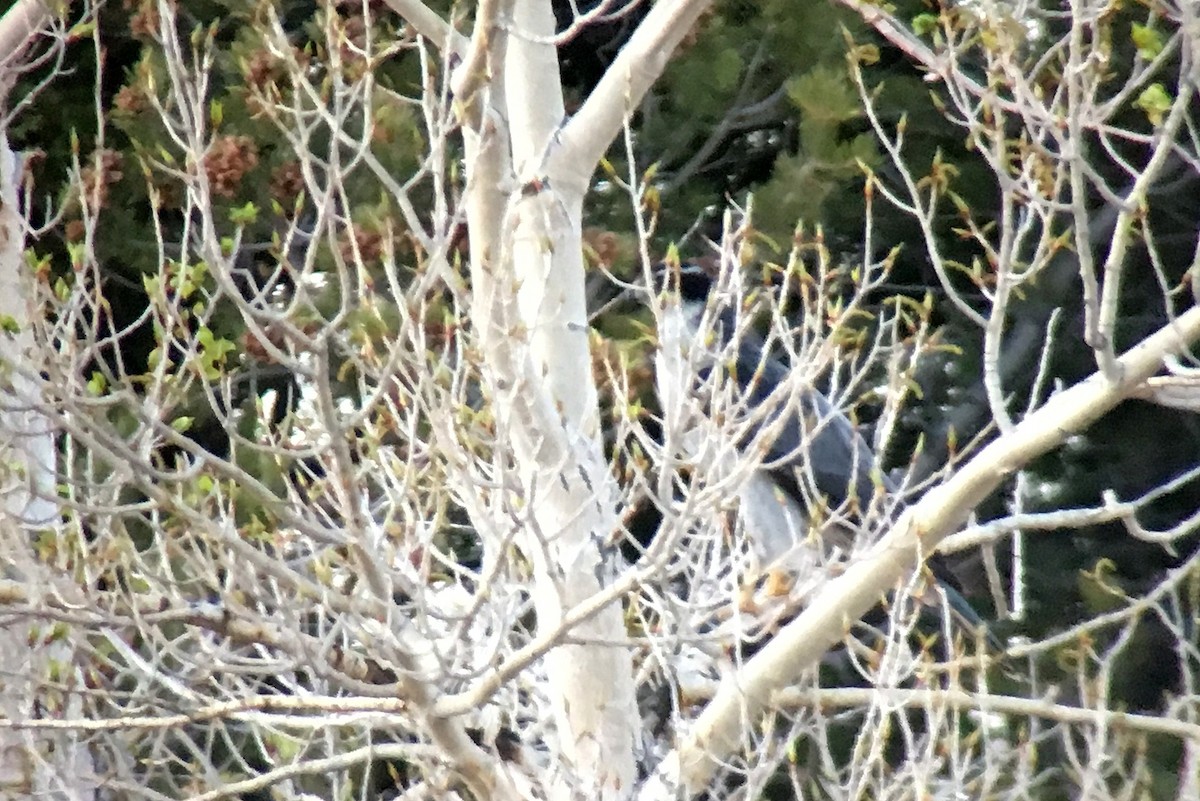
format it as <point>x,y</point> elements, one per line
<point>695,282</point>
<point>691,280</point>
<point>693,290</point>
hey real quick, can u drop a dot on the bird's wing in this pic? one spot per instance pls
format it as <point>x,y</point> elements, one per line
<point>811,447</point>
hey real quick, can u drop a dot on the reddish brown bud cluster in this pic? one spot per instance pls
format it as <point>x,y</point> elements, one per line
<point>145,21</point>
<point>261,68</point>
<point>227,162</point>
<point>131,99</point>
<point>74,231</point>
<point>254,347</point>
<point>368,241</point>
<point>605,246</point>
<point>274,337</point>
<point>287,182</point>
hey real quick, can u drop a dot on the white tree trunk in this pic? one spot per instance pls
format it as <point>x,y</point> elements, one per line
<point>50,766</point>
<point>32,764</point>
<point>526,247</point>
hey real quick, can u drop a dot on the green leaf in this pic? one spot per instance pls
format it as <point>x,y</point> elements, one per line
<point>1148,41</point>
<point>672,257</point>
<point>9,324</point>
<point>77,252</point>
<point>1100,588</point>
<point>924,24</point>
<point>58,631</point>
<point>244,215</point>
<point>1155,101</point>
<point>35,262</point>
<point>182,424</point>
<point>97,384</point>
<point>867,54</point>
<point>212,352</point>
<point>81,30</point>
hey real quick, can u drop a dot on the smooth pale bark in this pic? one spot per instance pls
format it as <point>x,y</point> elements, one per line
<point>40,765</point>
<point>573,500</point>
<point>527,276</point>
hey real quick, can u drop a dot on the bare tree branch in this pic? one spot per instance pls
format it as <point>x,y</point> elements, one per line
<point>430,25</point>
<point>588,134</point>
